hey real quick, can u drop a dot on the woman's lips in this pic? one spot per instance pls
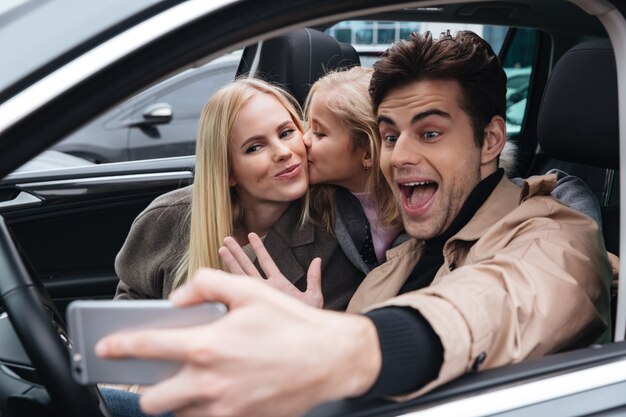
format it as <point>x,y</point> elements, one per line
<point>290,172</point>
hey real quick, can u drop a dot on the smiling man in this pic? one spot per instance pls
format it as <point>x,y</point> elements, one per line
<point>493,274</point>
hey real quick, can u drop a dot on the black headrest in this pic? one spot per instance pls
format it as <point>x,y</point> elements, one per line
<point>297,59</point>
<point>578,119</point>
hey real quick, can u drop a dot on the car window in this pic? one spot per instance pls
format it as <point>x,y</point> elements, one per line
<point>518,65</point>
<point>159,122</point>
<point>372,38</point>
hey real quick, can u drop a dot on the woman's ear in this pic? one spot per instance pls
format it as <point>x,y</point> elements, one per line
<point>231,181</point>
<point>495,138</point>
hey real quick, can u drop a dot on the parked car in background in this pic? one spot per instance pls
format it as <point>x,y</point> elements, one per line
<point>51,159</point>
<point>160,122</point>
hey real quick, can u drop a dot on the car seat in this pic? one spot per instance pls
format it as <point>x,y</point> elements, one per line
<point>296,59</point>
<point>578,122</point>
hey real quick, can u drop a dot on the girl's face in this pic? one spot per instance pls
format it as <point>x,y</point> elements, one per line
<point>268,157</point>
<point>332,156</point>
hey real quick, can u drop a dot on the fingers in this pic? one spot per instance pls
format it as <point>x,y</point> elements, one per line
<point>214,285</point>
<point>146,344</point>
<point>230,261</point>
<point>172,394</point>
<point>265,259</point>
<point>314,283</point>
<point>245,264</point>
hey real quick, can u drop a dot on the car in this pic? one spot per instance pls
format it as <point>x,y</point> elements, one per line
<point>51,159</point>
<point>61,229</point>
<point>157,123</point>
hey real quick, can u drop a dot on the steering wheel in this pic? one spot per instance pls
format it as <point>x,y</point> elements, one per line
<point>31,312</point>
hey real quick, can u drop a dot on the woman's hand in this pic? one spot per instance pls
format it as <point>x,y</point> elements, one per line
<point>238,263</point>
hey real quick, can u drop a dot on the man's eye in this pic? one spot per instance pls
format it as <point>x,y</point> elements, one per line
<point>391,139</point>
<point>253,148</point>
<point>318,134</point>
<point>430,135</point>
<point>286,133</point>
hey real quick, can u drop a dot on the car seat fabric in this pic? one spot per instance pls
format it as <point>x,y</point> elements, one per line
<point>588,130</point>
<point>579,122</point>
<point>297,59</point>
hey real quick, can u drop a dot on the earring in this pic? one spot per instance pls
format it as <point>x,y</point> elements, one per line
<point>366,167</point>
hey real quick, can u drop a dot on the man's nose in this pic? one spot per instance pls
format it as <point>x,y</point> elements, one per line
<point>405,152</point>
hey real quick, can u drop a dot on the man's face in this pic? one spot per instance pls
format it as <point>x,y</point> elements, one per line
<point>428,154</point>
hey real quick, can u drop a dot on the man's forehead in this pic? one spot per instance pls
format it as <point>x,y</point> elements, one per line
<point>412,98</point>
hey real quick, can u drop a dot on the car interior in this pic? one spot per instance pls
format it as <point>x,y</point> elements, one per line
<point>67,225</point>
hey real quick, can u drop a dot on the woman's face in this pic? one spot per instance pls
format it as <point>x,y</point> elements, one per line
<point>268,157</point>
<point>333,158</point>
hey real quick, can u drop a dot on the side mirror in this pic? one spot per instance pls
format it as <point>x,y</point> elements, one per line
<point>157,114</point>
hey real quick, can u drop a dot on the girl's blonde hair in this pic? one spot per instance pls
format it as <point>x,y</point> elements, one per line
<point>347,97</point>
<point>215,209</point>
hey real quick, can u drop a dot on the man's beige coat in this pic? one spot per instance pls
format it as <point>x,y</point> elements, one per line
<point>525,277</point>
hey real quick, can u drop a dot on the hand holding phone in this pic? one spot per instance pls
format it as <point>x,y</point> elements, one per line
<point>91,320</point>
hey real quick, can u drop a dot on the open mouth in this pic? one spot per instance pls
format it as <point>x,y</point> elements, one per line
<point>417,195</point>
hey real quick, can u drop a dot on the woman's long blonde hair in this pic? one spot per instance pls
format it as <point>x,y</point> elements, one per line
<point>347,97</point>
<point>215,208</point>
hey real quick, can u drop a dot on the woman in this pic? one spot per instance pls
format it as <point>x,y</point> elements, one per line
<point>251,176</point>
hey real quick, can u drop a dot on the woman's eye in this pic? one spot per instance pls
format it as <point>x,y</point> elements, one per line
<point>253,148</point>
<point>286,133</point>
<point>318,134</point>
<point>430,135</point>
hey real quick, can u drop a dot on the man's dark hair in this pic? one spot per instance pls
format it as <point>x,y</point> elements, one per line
<point>465,57</point>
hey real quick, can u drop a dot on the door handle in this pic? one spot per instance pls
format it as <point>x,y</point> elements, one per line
<point>23,199</point>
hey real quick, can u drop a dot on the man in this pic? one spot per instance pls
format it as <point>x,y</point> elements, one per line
<point>494,274</point>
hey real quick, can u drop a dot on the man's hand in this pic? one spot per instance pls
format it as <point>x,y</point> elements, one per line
<point>238,263</point>
<point>270,355</point>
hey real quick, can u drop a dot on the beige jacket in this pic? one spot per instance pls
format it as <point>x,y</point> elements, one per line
<point>525,277</point>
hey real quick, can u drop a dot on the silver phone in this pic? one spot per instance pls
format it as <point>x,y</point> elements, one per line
<point>91,320</point>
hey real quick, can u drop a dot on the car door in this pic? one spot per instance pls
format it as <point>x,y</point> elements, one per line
<point>70,223</point>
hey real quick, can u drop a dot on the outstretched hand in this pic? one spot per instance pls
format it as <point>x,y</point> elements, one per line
<point>238,263</point>
<point>270,355</point>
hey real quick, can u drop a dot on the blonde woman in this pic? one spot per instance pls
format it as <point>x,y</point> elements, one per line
<point>251,177</point>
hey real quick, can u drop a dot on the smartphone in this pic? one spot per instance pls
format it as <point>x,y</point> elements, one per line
<point>91,320</point>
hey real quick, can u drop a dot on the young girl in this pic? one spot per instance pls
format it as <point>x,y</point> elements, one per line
<point>350,193</point>
<point>251,176</point>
